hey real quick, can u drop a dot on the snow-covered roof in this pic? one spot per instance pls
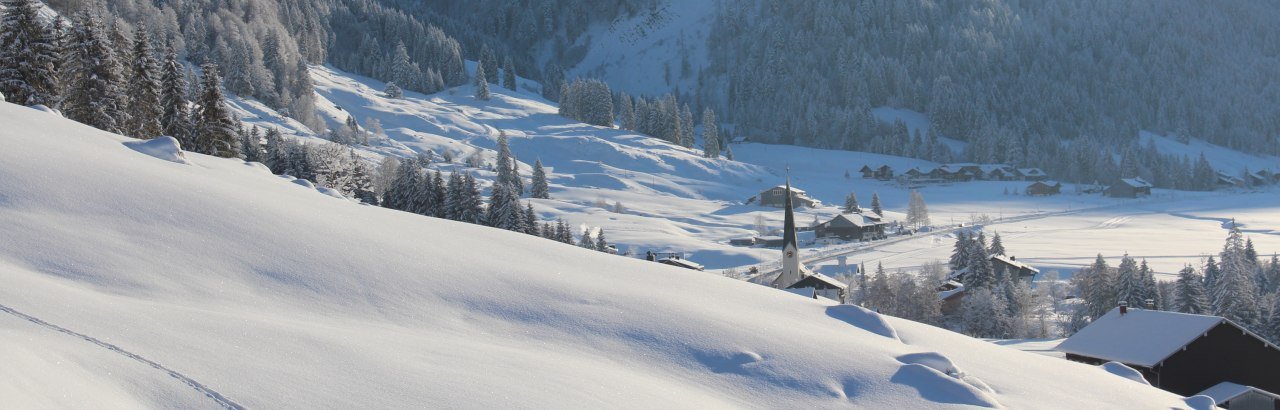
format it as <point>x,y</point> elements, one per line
<point>1012,262</point>
<point>947,294</point>
<point>818,277</point>
<point>1225,391</point>
<point>1141,337</point>
<point>1136,182</point>
<point>989,168</point>
<point>859,220</point>
<point>1031,172</point>
<point>794,190</point>
<point>1048,182</point>
<point>684,263</point>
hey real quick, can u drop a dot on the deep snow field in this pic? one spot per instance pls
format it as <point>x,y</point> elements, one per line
<point>678,201</point>
<point>131,280</point>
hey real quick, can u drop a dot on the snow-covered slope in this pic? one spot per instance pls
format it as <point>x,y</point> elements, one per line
<point>136,281</point>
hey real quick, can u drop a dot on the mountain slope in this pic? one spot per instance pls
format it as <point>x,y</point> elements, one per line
<point>274,295</point>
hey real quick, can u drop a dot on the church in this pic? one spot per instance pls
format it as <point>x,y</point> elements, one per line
<point>794,277</point>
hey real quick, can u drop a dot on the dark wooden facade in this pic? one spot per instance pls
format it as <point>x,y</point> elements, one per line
<point>1129,188</point>
<point>851,227</point>
<point>777,197</point>
<point>1044,188</point>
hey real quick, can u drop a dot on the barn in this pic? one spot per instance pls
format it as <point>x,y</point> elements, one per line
<point>1179,352</point>
<point>852,227</point>
<point>777,197</point>
<point>1129,188</point>
<point>1044,188</point>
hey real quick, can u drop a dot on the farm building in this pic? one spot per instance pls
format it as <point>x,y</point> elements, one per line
<point>1239,397</point>
<point>883,172</point>
<point>776,197</point>
<point>1044,188</point>
<point>1179,352</point>
<point>852,227</point>
<point>1129,188</point>
<point>1031,174</point>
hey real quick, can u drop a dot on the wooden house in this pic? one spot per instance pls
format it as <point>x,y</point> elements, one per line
<point>821,286</point>
<point>776,197</point>
<point>1183,353</point>
<point>1226,180</point>
<point>1257,178</point>
<point>1031,174</point>
<point>1043,188</point>
<point>1003,265</point>
<point>852,227</point>
<point>1129,188</point>
<point>996,172</point>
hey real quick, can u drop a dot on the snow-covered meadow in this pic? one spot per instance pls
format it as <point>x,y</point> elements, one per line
<point>137,281</point>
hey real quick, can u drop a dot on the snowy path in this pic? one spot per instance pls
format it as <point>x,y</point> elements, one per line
<point>208,392</point>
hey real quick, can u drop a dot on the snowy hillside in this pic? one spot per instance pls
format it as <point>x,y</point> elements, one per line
<point>134,281</point>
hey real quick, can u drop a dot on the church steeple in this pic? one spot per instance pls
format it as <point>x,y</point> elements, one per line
<point>791,270</point>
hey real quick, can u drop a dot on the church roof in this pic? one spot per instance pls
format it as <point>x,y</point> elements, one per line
<point>818,281</point>
<point>789,222</point>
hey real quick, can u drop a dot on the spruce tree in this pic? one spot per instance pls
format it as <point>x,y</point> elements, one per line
<point>453,199</point>
<point>531,219</point>
<point>144,89</point>
<point>1148,286</point>
<point>851,204</point>
<point>393,91</point>
<point>175,119</point>
<point>540,187</point>
<point>710,134</point>
<point>1128,283</point>
<point>472,206</point>
<point>93,95</point>
<point>728,152</point>
<point>508,74</point>
<point>252,145</point>
<point>997,245</point>
<point>214,128</point>
<point>1189,292</point>
<point>506,174</point>
<point>439,195</point>
<point>29,55</point>
<point>875,204</point>
<point>482,85</point>
<point>601,244</point>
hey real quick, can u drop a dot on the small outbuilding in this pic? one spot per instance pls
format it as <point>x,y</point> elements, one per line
<point>1129,188</point>
<point>1044,188</point>
<point>1182,353</point>
<point>1239,397</point>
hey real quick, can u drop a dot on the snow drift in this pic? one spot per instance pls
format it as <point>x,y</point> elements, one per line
<point>133,281</point>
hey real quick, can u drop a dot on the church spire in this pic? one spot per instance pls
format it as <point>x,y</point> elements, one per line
<point>791,270</point>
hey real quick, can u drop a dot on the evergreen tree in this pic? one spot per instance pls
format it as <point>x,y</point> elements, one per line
<point>506,174</point>
<point>1190,293</point>
<point>1097,286</point>
<point>728,152</point>
<point>984,314</point>
<point>851,204</point>
<point>710,134</point>
<point>1128,283</point>
<point>453,200</point>
<point>875,204</point>
<point>540,188</point>
<point>93,84</point>
<point>531,219</point>
<point>252,145</point>
<point>997,245</point>
<point>1149,288</point>
<point>439,195</point>
<point>981,274</point>
<point>471,207</point>
<point>627,112</point>
<point>214,128</point>
<point>959,254</point>
<point>1272,328</point>
<point>175,120</point>
<point>29,55</point>
<point>482,84</point>
<point>1211,275</point>
<point>601,244</point>
<point>490,61</point>
<point>144,89</point>
<point>504,211</point>
<point>393,91</point>
<point>508,74</point>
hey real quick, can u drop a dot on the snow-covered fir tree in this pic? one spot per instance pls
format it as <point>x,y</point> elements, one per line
<point>144,90</point>
<point>214,128</point>
<point>875,204</point>
<point>508,74</point>
<point>540,188</point>
<point>1190,293</point>
<point>481,83</point>
<point>251,144</point>
<point>29,55</point>
<point>175,119</point>
<point>93,95</point>
<point>710,134</point>
<point>1129,283</point>
<point>851,203</point>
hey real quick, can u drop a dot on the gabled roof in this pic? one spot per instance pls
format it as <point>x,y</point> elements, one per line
<point>849,220</point>
<point>989,168</point>
<point>1226,391</point>
<point>1136,182</point>
<point>684,263</point>
<point>1014,263</point>
<point>818,281</point>
<point>1141,337</point>
<point>793,189</point>
<point>1049,183</point>
<point>1031,172</point>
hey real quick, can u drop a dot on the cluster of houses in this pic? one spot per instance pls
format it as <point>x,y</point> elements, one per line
<point>1255,178</point>
<point>952,291</point>
<point>959,172</point>
<point>776,197</point>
